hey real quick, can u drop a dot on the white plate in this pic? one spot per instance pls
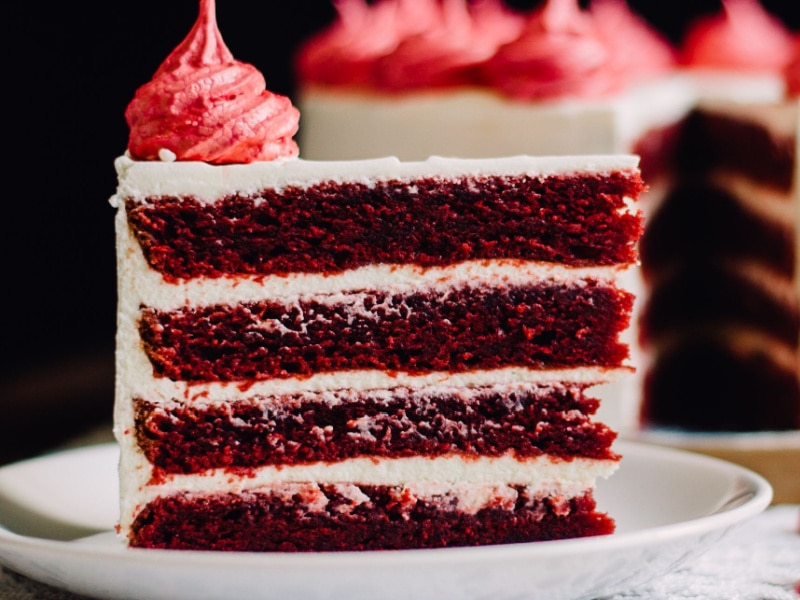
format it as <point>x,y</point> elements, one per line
<point>669,506</point>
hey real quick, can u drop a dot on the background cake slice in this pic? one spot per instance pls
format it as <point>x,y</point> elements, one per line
<point>721,323</point>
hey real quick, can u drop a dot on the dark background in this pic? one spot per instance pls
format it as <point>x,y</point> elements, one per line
<point>69,74</point>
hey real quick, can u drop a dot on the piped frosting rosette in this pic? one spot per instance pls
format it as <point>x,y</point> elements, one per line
<point>461,36</point>
<point>560,53</point>
<point>639,50</point>
<point>741,37</point>
<point>346,52</point>
<point>791,73</point>
<point>204,105</point>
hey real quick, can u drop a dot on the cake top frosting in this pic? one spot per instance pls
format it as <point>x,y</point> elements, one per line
<point>555,51</point>
<point>639,50</point>
<point>405,44</point>
<point>458,38</point>
<point>204,105</point>
<point>791,72</point>
<point>560,53</point>
<point>345,53</point>
<point>743,36</point>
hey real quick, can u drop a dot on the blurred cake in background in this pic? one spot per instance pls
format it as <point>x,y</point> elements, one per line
<point>476,79</point>
<point>719,260</point>
<point>721,325</point>
<point>721,322</point>
<point>737,52</point>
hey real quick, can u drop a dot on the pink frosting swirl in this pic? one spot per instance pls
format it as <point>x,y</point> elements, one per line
<point>560,53</point>
<point>204,105</point>
<point>460,38</point>
<point>638,50</point>
<point>791,73</point>
<point>345,54</point>
<point>742,37</point>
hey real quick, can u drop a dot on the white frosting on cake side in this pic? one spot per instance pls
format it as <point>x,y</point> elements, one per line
<point>204,182</point>
<point>545,475</point>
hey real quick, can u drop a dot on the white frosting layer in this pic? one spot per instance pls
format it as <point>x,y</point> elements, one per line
<point>137,381</point>
<point>381,386</point>
<point>138,179</point>
<point>545,475</point>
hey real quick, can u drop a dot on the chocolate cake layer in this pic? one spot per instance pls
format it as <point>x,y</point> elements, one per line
<point>699,222</point>
<point>332,426</point>
<point>545,326</point>
<point>707,297</point>
<point>721,320</point>
<point>708,385</point>
<point>710,140</point>
<point>263,522</point>
<point>577,220</point>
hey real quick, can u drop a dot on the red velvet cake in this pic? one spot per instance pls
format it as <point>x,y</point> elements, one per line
<point>356,355</point>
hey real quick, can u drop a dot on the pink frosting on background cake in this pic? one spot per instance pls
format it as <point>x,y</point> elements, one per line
<point>741,37</point>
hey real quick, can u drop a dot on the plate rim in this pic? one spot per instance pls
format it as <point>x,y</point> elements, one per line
<point>731,511</point>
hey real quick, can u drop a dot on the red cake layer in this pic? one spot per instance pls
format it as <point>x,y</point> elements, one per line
<point>543,326</point>
<point>262,522</point>
<point>332,426</point>
<point>708,385</point>
<point>576,220</point>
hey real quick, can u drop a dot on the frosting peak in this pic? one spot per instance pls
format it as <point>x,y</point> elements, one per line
<point>638,49</point>
<point>741,37</point>
<point>791,73</point>
<point>446,53</point>
<point>346,52</point>
<point>203,46</point>
<point>560,53</point>
<point>204,105</point>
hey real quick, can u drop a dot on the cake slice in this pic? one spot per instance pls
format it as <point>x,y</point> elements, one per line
<point>357,355</point>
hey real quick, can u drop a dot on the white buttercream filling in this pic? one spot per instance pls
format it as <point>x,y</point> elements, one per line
<point>545,475</point>
<point>208,183</point>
